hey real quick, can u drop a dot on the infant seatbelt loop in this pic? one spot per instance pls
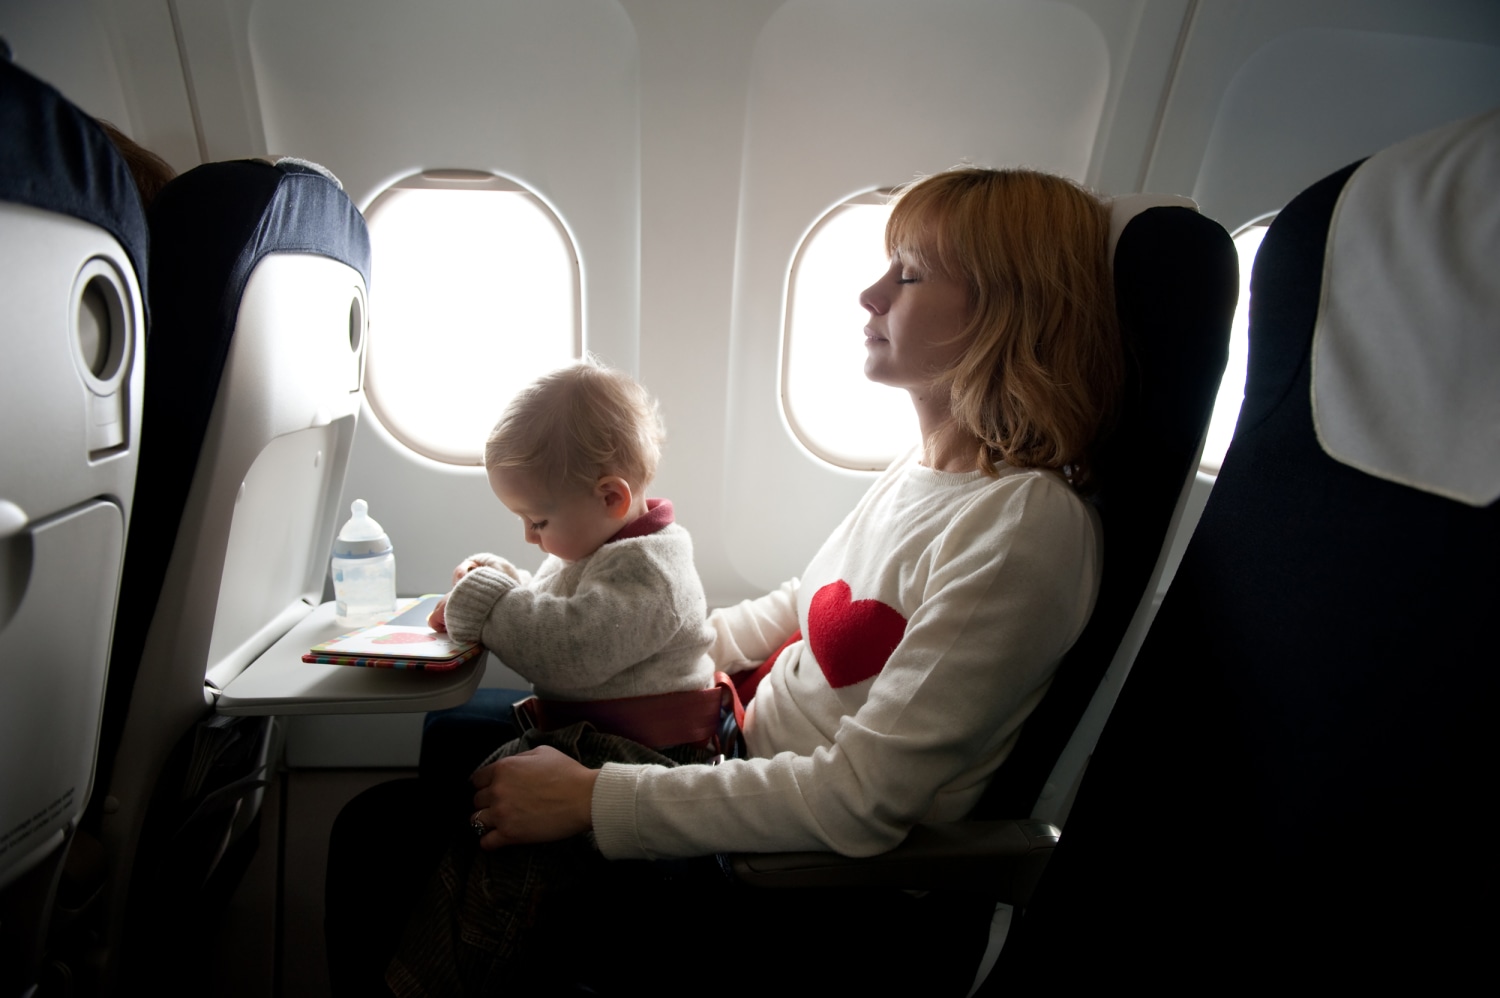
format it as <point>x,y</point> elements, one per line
<point>691,717</point>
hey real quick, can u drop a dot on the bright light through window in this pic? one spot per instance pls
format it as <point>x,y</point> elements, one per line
<point>832,409</point>
<point>474,294</point>
<point>1232,387</point>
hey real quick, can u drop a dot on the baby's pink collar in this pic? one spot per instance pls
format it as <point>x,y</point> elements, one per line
<point>658,516</point>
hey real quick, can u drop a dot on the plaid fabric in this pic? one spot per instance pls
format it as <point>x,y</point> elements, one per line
<point>473,931</point>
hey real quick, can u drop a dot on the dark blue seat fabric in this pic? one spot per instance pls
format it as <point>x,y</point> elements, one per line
<point>1176,282</point>
<point>1290,784</point>
<point>56,158</point>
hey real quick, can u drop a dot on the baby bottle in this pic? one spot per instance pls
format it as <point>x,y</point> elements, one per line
<point>364,570</point>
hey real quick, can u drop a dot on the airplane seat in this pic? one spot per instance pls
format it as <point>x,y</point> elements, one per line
<point>1291,785</point>
<point>259,278</point>
<point>1176,284</point>
<point>72,264</point>
<point>1176,287</point>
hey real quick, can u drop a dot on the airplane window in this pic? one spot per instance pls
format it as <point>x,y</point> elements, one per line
<point>1232,386</point>
<point>831,409</point>
<point>474,293</point>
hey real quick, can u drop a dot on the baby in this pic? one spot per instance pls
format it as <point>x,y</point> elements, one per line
<point>616,610</point>
<point>616,613</point>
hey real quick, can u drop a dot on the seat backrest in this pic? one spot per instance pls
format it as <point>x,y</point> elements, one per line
<point>1291,782</point>
<point>72,244</point>
<point>1176,282</point>
<point>259,277</point>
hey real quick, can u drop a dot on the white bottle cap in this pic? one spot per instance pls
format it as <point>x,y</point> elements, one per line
<point>361,536</point>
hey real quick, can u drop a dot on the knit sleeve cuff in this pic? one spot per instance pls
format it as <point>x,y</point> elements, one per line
<point>613,809</point>
<point>472,599</point>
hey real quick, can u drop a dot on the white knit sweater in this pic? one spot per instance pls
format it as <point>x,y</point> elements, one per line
<point>934,618</point>
<point>626,621</point>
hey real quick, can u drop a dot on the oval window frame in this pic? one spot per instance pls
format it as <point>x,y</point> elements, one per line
<point>804,437</point>
<point>457,179</point>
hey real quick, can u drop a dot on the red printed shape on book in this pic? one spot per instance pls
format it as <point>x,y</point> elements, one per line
<point>851,639</point>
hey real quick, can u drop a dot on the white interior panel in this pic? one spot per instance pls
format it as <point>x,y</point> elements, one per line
<point>1313,101</point>
<point>50,405</point>
<point>71,370</point>
<point>1316,90</point>
<point>65,42</point>
<point>117,61</point>
<point>54,654</point>
<point>275,558</point>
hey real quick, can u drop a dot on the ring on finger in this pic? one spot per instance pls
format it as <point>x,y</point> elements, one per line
<point>478,826</point>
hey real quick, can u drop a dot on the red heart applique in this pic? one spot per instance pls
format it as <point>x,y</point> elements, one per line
<point>851,639</point>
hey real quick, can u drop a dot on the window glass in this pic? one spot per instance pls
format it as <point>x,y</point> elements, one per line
<point>1232,386</point>
<point>474,294</point>
<point>830,407</point>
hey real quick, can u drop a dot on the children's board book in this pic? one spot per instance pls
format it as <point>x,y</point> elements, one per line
<point>402,642</point>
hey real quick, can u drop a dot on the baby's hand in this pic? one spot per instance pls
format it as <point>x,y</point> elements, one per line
<point>464,568</point>
<point>437,619</point>
<point>485,560</point>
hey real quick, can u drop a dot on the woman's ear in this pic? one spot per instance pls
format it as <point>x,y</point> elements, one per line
<point>615,492</point>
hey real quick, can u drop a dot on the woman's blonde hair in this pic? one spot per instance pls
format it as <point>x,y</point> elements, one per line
<point>577,424</point>
<point>1038,383</point>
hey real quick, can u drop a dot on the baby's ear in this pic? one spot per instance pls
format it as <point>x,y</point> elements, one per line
<point>615,492</point>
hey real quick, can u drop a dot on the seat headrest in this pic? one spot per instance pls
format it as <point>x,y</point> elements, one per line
<point>1125,207</point>
<point>56,158</point>
<point>1406,348</point>
<point>212,225</point>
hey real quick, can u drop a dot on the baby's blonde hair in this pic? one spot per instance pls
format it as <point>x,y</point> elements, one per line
<point>577,424</point>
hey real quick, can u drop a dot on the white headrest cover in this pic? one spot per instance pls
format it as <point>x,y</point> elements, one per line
<point>309,164</point>
<point>1406,350</point>
<point>1125,207</point>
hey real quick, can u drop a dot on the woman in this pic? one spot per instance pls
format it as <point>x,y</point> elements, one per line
<point>930,623</point>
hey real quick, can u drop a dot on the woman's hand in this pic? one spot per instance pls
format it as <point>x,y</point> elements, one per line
<point>437,619</point>
<point>537,796</point>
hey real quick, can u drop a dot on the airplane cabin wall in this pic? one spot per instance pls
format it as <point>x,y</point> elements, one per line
<point>687,147</point>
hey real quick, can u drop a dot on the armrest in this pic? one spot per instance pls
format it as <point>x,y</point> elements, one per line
<point>1002,859</point>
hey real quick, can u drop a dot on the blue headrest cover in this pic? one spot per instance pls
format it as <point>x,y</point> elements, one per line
<point>211,226</point>
<point>209,229</point>
<point>56,158</point>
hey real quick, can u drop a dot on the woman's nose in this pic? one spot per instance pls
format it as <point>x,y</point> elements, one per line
<point>872,300</point>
